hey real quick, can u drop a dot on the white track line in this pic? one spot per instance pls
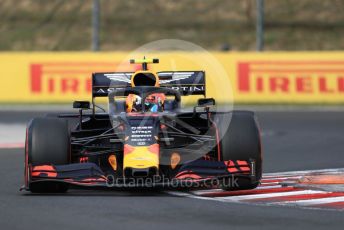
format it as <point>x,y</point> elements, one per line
<point>188,195</point>
<point>202,192</point>
<point>207,191</point>
<point>280,178</point>
<point>293,173</point>
<point>267,176</point>
<point>283,176</point>
<point>269,187</point>
<point>271,195</point>
<point>312,201</point>
<point>300,203</point>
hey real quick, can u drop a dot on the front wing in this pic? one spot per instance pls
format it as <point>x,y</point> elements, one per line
<point>199,173</point>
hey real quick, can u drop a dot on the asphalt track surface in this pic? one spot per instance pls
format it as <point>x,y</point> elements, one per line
<point>292,141</point>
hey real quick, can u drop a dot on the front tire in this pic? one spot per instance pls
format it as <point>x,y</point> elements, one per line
<point>240,140</point>
<point>47,142</point>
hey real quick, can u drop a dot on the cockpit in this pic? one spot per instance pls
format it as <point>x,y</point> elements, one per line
<point>142,99</point>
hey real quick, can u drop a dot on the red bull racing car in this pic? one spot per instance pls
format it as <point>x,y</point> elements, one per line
<point>144,138</point>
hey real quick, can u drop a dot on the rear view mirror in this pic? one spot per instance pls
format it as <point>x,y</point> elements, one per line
<point>206,101</point>
<point>81,105</point>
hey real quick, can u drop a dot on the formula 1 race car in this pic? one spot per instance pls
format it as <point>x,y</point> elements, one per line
<point>144,138</point>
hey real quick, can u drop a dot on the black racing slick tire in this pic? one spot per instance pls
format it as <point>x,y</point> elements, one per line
<point>240,140</point>
<point>47,142</point>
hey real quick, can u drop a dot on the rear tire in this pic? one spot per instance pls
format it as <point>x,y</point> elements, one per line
<point>241,141</point>
<point>47,143</point>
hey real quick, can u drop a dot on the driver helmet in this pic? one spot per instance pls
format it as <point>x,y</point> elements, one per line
<point>155,102</point>
<point>133,103</point>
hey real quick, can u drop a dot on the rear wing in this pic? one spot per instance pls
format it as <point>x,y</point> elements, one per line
<point>186,82</point>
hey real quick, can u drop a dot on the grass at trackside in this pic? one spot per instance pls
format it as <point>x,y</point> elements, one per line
<point>125,25</point>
